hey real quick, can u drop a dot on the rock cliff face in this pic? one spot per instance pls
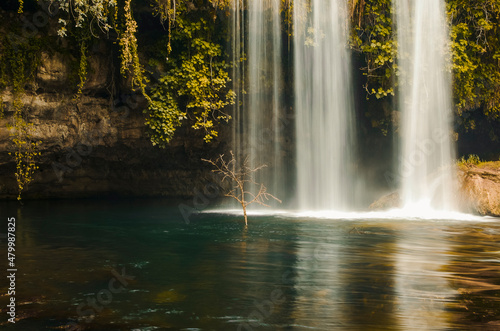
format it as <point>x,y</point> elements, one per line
<point>97,145</point>
<point>480,188</point>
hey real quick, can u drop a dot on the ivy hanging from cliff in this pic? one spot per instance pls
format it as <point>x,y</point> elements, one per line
<point>167,10</point>
<point>373,39</point>
<point>475,36</point>
<point>372,36</point>
<point>20,61</point>
<point>194,86</point>
<point>95,16</point>
<point>83,68</point>
<point>129,51</point>
<point>82,11</point>
<point>21,7</point>
<point>26,149</point>
<point>3,79</point>
<point>475,51</point>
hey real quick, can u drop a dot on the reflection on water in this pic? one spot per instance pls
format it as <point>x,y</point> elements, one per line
<point>281,273</point>
<point>422,288</point>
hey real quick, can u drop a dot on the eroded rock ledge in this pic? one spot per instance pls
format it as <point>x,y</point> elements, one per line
<point>97,144</point>
<point>480,188</point>
<point>91,148</point>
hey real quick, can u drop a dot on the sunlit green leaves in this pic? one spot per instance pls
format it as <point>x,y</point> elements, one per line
<point>475,36</point>
<point>373,38</point>
<point>475,52</point>
<point>195,86</point>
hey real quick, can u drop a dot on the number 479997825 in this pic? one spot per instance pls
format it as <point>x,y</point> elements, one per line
<point>11,238</point>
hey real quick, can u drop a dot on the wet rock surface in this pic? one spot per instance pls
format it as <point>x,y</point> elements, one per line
<point>480,188</point>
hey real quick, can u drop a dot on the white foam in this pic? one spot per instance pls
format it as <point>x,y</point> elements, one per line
<point>404,214</point>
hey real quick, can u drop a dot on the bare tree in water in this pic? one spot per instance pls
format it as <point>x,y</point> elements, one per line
<point>242,179</point>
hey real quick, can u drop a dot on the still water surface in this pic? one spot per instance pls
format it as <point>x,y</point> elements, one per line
<point>137,265</point>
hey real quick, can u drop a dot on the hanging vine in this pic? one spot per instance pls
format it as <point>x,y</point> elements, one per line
<point>21,7</point>
<point>104,14</point>
<point>26,149</point>
<point>80,11</point>
<point>475,36</point>
<point>167,10</point>
<point>130,59</point>
<point>373,37</point>
<point>194,86</point>
<point>83,68</point>
<point>21,60</point>
<point>3,80</point>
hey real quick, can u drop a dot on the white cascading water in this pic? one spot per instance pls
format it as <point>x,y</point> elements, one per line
<point>265,84</point>
<point>426,170</point>
<point>323,105</point>
<point>258,134</point>
<point>237,28</point>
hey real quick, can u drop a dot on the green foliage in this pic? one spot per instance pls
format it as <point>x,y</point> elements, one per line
<point>475,50</point>
<point>26,150</point>
<point>83,68</point>
<point>86,15</point>
<point>164,115</point>
<point>194,85</point>
<point>475,36</point>
<point>471,160</point>
<point>21,7</point>
<point>129,51</point>
<point>20,60</point>
<point>81,11</point>
<point>3,79</point>
<point>372,36</point>
<point>167,10</point>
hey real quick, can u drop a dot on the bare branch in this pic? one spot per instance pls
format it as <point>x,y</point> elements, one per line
<point>242,177</point>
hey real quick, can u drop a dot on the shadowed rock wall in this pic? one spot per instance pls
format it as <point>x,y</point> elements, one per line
<point>97,145</point>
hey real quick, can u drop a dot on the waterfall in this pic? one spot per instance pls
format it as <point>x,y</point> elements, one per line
<point>323,105</point>
<point>427,154</point>
<point>258,132</point>
<point>237,28</point>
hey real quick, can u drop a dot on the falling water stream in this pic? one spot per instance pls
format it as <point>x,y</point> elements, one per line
<point>258,134</point>
<point>323,105</point>
<point>237,29</point>
<point>425,103</point>
<point>323,102</point>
